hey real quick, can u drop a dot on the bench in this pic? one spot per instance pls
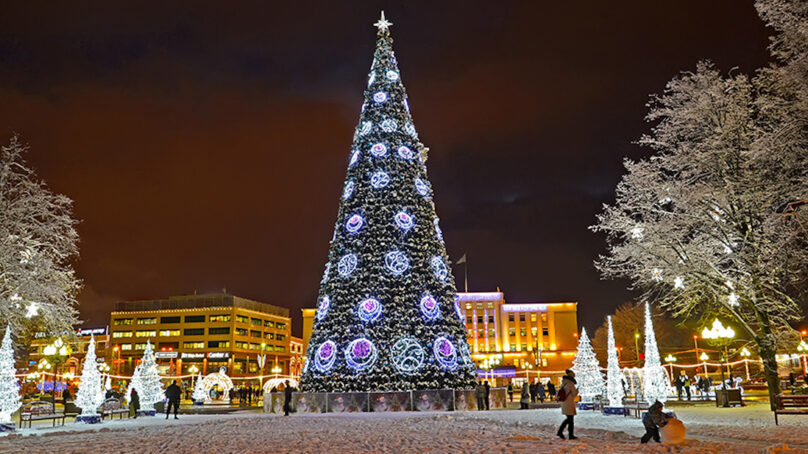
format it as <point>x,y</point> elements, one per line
<point>39,411</point>
<point>112,407</point>
<point>794,404</point>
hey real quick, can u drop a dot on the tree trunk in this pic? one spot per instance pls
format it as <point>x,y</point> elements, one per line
<point>767,352</point>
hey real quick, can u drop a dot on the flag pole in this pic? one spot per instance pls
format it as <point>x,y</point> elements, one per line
<point>466,273</point>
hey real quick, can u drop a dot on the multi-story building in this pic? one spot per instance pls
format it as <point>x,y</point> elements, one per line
<point>77,346</point>
<point>205,331</point>
<point>519,341</point>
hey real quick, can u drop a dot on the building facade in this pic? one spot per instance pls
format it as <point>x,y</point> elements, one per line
<point>205,333</point>
<point>78,349</point>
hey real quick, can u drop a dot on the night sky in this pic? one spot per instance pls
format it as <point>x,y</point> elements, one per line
<point>205,144</point>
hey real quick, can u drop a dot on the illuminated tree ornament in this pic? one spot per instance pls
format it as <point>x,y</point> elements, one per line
<point>404,221</point>
<point>369,310</point>
<point>408,356</point>
<point>354,223</point>
<point>389,125</point>
<point>392,75</point>
<point>587,370</point>
<point>325,273</point>
<point>438,231</point>
<point>378,150</point>
<point>366,127</point>
<point>458,309</point>
<point>380,97</point>
<point>33,310</point>
<point>379,179</point>
<point>405,153</point>
<point>354,158</point>
<point>322,308</point>
<point>679,283</point>
<point>396,262</point>
<point>439,268</point>
<point>421,187</point>
<point>360,354</point>
<point>655,378</point>
<point>371,78</point>
<point>445,353</point>
<point>325,356</point>
<point>347,265</point>
<point>733,299</point>
<point>348,191</point>
<point>89,396</point>
<point>410,129</point>
<point>656,274</point>
<point>429,307</point>
<point>217,380</point>
<point>406,105</point>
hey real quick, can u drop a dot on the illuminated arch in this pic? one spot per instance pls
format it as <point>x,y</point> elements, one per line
<point>275,382</point>
<point>217,379</point>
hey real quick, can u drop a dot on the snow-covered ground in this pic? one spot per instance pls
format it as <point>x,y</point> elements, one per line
<point>710,430</point>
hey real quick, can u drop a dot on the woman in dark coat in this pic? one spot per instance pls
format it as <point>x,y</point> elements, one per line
<point>134,402</point>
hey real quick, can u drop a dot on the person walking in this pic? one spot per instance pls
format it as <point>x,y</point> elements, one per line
<point>524,399</point>
<point>533,392</point>
<point>510,392</point>
<point>551,391</point>
<point>479,393</point>
<point>566,395</point>
<point>487,395</point>
<point>173,395</point>
<point>287,398</point>
<point>687,386</point>
<point>134,402</point>
<point>653,420</point>
<point>679,384</point>
<point>540,389</point>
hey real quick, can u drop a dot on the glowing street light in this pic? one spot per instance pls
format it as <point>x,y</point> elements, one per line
<point>746,354</point>
<point>723,335</point>
<point>670,359</point>
<point>704,356</point>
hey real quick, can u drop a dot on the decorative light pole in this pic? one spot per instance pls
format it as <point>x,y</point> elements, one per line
<point>637,346</point>
<point>670,359</point>
<point>746,354</point>
<point>721,335</point>
<point>56,352</point>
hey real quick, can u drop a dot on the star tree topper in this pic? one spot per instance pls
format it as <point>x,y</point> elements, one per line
<point>382,23</point>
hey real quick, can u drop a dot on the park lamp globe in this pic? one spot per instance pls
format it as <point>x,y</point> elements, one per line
<point>718,331</point>
<point>704,356</point>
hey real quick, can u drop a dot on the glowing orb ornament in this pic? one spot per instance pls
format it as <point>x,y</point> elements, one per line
<point>379,179</point>
<point>421,187</point>
<point>366,127</point>
<point>389,125</point>
<point>429,307</point>
<point>360,354</point>
<point>396,262</point>
<point>378,150</point>
<point>445,353</point>
<point>369,310</point>
<point>392,75</point>
<point>404,221</point>
<point>347,265</point>
<point>325,356</point>
<point>439,268</point>
<point>405,153</point>
<point>407,355</point>
<point>380,97</point>
<point>322,308</point>
<point>354,223</point>
<point>354,158</point>
<point>347,192</point>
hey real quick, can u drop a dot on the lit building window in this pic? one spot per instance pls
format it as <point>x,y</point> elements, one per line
<point>524,347</point>
<point>544,317</point>
<point>533,331</point>
<point>145,333</point>
<point>468,306</point>
<point>140,346</point>
<point>118,334</point>
<point>169,332</point>
<point>193,345</point>
<point>523,332</point>
<point>513,347</point>
<point>220,318</point>
<point>126,346</point>
<point>532,317</point>
<point>122,321</point>
<point>147,321</point>
<point>511,332</point>
<point>242,319</point>
<point>490,305</point>
<point>544,362</point>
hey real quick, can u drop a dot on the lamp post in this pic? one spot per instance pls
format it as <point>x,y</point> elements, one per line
<point>56,353</point>
<point>723,336</point>
<point>193,371</point>
<point>671,359</point>
<point>637,346</point>
<point>745,354</point>
<point>43,367</point>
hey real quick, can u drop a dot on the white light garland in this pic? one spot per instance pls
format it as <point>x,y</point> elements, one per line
<point>348,191</point>
<point>614,377</point>
<point>322,308</point>
<point>587,370</point>
<point>655,378</point>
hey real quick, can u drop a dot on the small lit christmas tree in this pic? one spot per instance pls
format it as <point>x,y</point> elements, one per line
<point>9,387</point>
<point>199,394</point>
<point>587,370</point>
<point>146,380</point>
<point>655,380</point>
<point>90,394</point>
<point>614,377</point>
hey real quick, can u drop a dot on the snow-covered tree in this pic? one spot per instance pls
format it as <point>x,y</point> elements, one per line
<point>587,370</point>
<point>614,376</point>
<point>150,387</point>
<point>91,392</point>
<point>199,394</point>
<point>37,283</point>
<point>9,385</point>
<point>713,224</point>
<point>655,383</point>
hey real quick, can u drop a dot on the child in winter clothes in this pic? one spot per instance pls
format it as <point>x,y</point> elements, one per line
<point>653,420</point>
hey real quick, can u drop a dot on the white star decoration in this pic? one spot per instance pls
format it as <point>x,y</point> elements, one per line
<point>33,310</point>
<point>679,283</point>
<point>383,24</point>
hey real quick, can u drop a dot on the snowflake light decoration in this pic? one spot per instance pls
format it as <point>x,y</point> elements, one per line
<point>679,283</point>
<point>396,262</point>
<point>439,268</point>
<point>354,223</point>
<point>656,274</point>
<point>347,265</point>
<point>347,192</point>
<point>380,97</point>
<point>369,310</point>
<point>360,354</point>
<point>378,150</point>
<point>408,356</point>
<point>33,310</point>
<point>637,233</point>
<point>733,299</point>
<point>322,308</point>
<point>379,179</point>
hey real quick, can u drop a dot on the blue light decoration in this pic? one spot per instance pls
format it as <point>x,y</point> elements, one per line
<point>429,307</point>
<point>396,262</point>
<point>366,127</point>
<point>360,354</point>
<point>364,105</point>
<point>327,270</point>
<point>354,158</point>
<point>458,309</point>
<point>406,105</point>
<point>347,265</point>
<point>405,153</point>
<point>404,221</point>
<point>465,354</point>
<point>325,356</point>
<point>354,223</point>
<point>322,308</point>
<point>392,75</point>
<point>378,150</point>
<point>371,78</point>
<point>369,310</point>
<point>445,353</point>
<point>380,97</point>
<point>379,179</point>
<point>348,190</point>
<point>389,125</point>
<point>439,268</point>
<point>410,129</point>
<point>421,187</point>
<point>408,356</point>
<point>438,231</point>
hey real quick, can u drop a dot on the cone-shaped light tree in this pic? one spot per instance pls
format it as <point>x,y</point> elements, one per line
<point>614,377</point>
<point>655,380</point>
<point>146,380</point>
<point>90,394</point>
<point>587,370</point>
<point>9,387</point>
<point>387,318</point>
<point>199,390</point>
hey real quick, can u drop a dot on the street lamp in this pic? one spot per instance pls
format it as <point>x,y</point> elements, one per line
<point>637,345</point>
<point>745,354</point>
<point>670,359</point>
<point>56,353</point>
<point>193,371</point>
<point>723,336</point>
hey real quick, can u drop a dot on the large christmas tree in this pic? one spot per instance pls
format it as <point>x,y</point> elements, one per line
<point>587,370</point>
<point>655,379</point>
<point>90,395</point>
<point>387,318</point>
